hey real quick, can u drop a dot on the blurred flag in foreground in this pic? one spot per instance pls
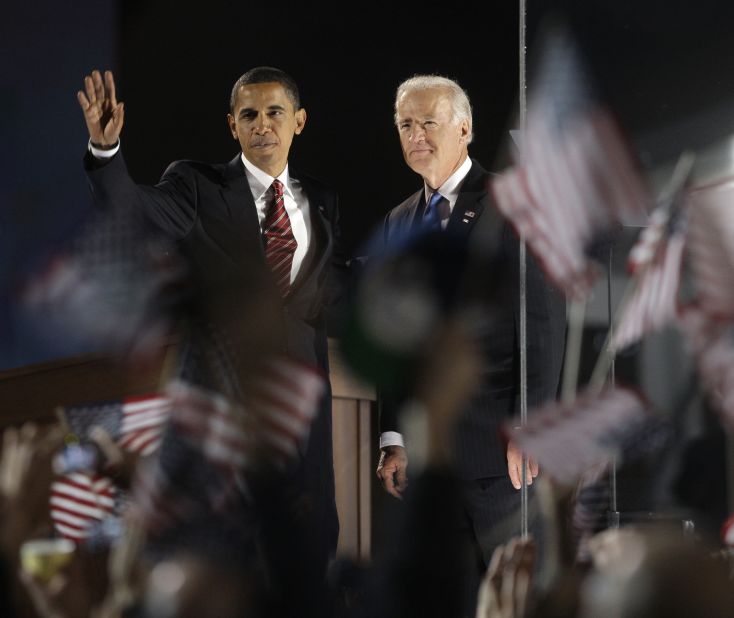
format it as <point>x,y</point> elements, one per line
<point>708,320</point>
<point>79,501</point>
<point>209,431</point>
<point>575,179</point>
<point>110,288</point>
<point>655,262</point>
<point>135,423</point>
<point>712,345</point>
<point>275,420</point>
<point>711,249</point>
<point>591,505</point>
<point>568,440</point>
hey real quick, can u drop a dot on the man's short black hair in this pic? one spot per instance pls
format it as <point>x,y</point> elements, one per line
<point>262,75</point>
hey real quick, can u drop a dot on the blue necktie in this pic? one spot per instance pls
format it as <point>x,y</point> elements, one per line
<point>431,217</point>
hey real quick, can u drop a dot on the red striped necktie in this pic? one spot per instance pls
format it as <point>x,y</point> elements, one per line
<point>280,243</point>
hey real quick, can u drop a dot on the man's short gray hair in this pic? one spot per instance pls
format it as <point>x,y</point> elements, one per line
<point>457,96</point>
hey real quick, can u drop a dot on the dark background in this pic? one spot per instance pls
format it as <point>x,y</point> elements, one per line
<point>665,68</point>
<point>348,62</point>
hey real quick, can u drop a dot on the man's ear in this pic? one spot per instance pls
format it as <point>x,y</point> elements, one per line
<point>300,120</point>
<point>465,131</point>
<point>232,125</point>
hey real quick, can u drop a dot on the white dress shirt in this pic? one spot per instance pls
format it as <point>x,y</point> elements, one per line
<point>296,205</point>
<point>450,189</point>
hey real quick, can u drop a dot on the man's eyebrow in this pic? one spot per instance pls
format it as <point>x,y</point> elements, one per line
<point>252,110</point>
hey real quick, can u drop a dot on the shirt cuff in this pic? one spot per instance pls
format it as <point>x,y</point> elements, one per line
<point>98,153</point>
<point>391,438</point>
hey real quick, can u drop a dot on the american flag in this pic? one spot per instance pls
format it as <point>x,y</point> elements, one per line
<point>275,420</point>
<point>212,441</point>
<point>712,345</point>
<point>568,439</point>
<point>284,402</point>
<point>174,487</point>
<point>655,261</point>
<point>213,423</point>
<point>79,501</point>
<point>111,287</point>
<point>575,178</point>
<point>135,423</point>
<point>711,248</point>
<point>727,532</point>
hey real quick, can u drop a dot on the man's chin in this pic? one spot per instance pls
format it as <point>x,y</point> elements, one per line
<point>260,156</point>
<point>419,166</point>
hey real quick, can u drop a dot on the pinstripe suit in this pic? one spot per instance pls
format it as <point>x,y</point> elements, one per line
<point>479,449</point>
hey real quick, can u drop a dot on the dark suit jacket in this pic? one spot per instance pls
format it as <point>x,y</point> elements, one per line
<point>480,449</point>
<point>209,211</point>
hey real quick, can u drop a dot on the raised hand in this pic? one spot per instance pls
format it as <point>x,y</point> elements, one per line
<point>505,589</point>
<point>103,114</point>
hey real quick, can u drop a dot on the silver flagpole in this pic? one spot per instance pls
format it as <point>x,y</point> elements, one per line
<point>523,296</point>
<point>613,515</point>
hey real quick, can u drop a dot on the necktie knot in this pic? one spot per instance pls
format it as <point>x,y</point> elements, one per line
<point>432,216</point>
<point>277,189</point>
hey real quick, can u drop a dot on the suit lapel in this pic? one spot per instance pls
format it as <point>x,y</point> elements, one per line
<point>321,236</point>
<point>415,207</point>
<point>246,231</point>
<point>410,210</point>
<point>236,192</point>
<point>470,204</point>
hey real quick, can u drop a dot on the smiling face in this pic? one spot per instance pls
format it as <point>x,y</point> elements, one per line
<point>264,121</point>
<point>433,144</point>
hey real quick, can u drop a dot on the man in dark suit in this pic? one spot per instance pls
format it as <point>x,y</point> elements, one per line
<point>434,122</point>
<point>262,244</point>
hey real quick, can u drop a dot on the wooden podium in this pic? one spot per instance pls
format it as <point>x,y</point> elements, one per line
<point>352,407</point>
<point>32,393</point>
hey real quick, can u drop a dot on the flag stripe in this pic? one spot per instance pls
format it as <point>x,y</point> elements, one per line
<point>78,500</point>
<point>575,176</point>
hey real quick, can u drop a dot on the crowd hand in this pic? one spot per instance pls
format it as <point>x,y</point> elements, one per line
<point>505,587</point>
<point>448,376</point>
<point>15,462</point>
<point>69,593</point>
<point>103,114</point>
<point>617,549</point>
<point>44,596</point>
<point>445,380</point>
<point>119,465</point>
<point>514,466</point>
<point>126,572</point>
<point>392,470</point>
<point>26,454</point>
